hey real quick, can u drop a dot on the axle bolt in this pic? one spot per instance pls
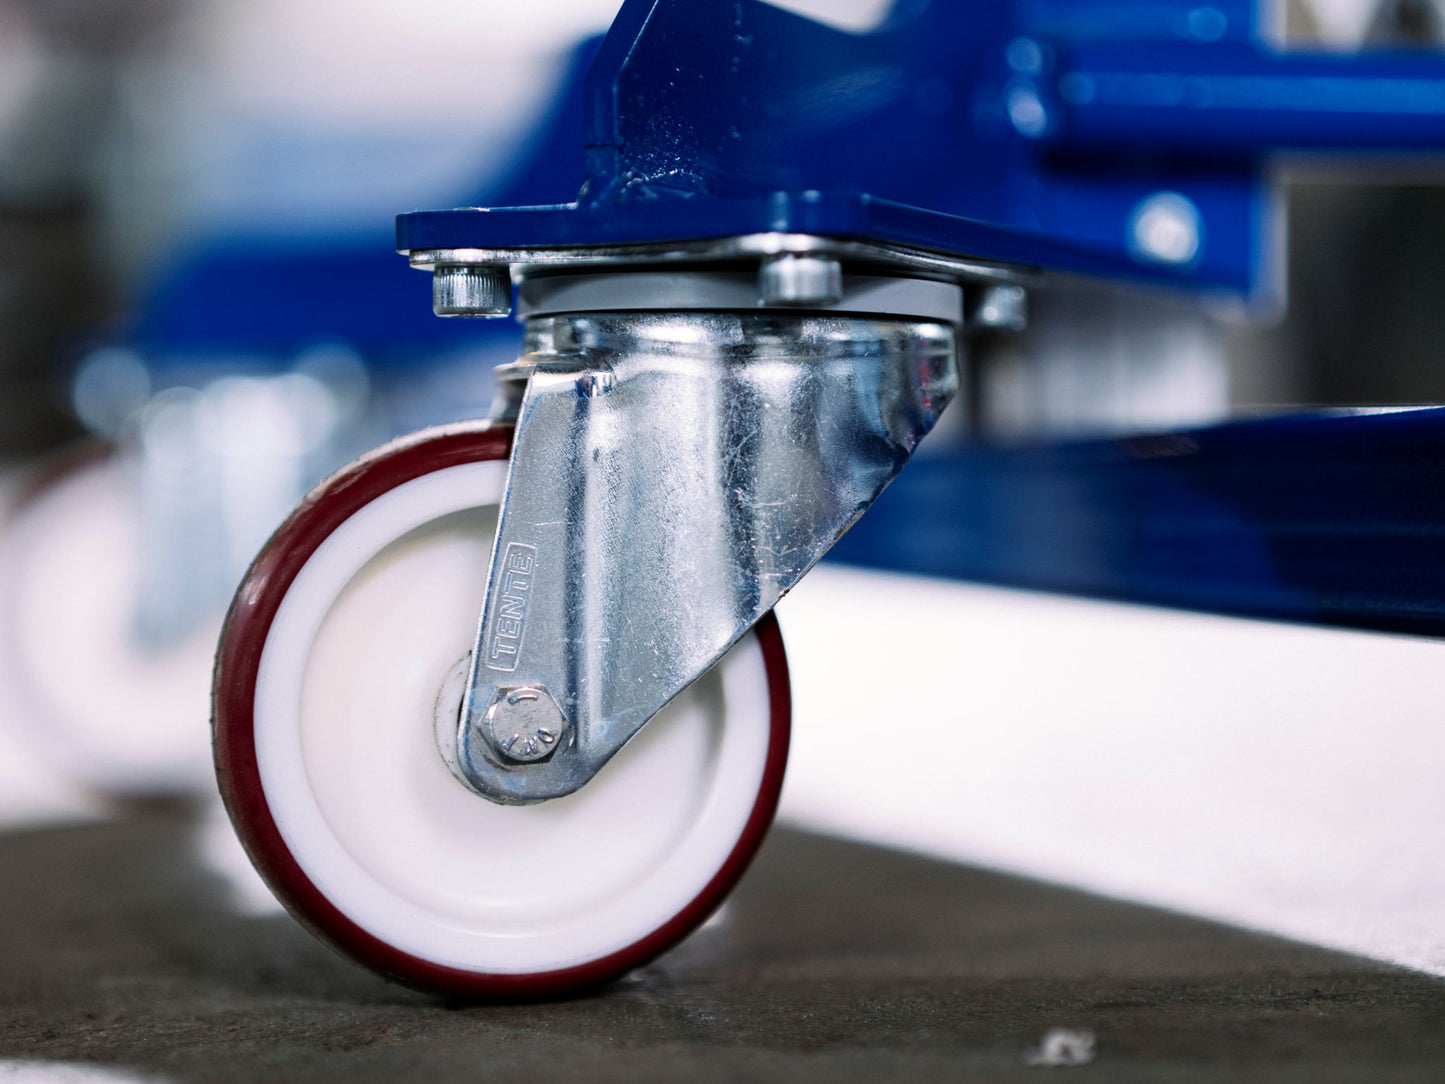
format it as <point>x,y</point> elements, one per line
<point>525,723</point>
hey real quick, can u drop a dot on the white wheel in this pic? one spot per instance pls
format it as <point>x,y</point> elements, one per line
<point>332,673</point>
<point>121,718</point>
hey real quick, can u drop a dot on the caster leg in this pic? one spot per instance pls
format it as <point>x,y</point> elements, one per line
<point>338,661</point>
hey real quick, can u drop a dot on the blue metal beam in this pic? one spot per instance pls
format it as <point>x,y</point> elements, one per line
<point>1241,101</point>
<point>1324,518</point>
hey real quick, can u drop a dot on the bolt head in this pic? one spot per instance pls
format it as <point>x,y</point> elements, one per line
<point>793,279</point>
<point>480,290</point>
<point>525,723</point>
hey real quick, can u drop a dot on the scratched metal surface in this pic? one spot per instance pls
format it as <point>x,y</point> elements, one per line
<point>834,962</point>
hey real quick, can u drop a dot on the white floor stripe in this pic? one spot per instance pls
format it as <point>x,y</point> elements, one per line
<point>1285,778</point>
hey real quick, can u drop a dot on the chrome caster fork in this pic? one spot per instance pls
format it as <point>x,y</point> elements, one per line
<point>689,443</point>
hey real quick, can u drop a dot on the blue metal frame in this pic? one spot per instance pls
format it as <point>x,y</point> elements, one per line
<point>1322,518</point>
<point>1027,132</point>
<point>1031,132</point>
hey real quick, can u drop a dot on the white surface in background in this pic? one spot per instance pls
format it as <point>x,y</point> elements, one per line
<point>271,116</point>
<point>36,1071</point>
<point>377,61</point>
<point>347,111</point>
<point>34,791</point>
<point>31,792</point>
<point>1342,24</point>
<point>220,853</point>
<point>123,718</point>
<point>1284,778</point>
<point>855,15</point>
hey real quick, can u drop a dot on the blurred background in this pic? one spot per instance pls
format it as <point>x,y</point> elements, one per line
<point>201,315</point>
<point>136,135</point>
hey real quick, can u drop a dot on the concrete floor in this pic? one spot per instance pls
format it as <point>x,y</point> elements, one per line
<point>835,961</point>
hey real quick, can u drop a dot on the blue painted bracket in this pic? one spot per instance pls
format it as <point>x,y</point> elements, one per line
<point>1325,518</point>
<point>1025,132</point>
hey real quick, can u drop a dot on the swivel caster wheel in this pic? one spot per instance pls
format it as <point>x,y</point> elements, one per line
<point>338,673</point>
<point>123,720</point>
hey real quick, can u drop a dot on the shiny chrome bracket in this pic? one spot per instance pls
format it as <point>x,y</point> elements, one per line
<point>674,473</point>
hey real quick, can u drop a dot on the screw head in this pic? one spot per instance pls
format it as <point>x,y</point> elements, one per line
<point>793,279</point>
<point>525,723</point>
<point>471,290</point>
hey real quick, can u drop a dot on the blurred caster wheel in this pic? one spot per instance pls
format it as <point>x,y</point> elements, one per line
<point>126,720</point>
<point>332,675</point>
